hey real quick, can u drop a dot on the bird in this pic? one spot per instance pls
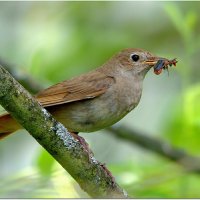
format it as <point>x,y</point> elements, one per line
<point>97,99</point>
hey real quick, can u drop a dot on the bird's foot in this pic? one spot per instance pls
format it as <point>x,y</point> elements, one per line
<point>83,142</point>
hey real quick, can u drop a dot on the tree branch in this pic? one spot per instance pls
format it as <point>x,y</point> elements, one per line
<point>190,163</point>
<point>92,176</point>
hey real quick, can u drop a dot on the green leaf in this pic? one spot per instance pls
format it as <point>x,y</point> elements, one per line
<point>45,163</point>
<point>191,20</point>
<point>183,24</point>
<point>183,124</point>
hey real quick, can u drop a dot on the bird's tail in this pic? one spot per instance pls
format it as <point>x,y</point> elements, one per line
<point>7,125</point>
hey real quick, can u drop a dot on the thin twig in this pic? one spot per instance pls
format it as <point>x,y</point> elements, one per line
<point>163,148</point>
<point>22,77</point>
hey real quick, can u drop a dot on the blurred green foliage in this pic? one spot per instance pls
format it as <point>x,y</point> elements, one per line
<point>183,125</point>
<point>45,163</point>
<point>54,41</point>
<point>184,121</point>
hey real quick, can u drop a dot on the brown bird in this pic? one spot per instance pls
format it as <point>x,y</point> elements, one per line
<point>97,99</point>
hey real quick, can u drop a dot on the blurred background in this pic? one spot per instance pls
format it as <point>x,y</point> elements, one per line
<point>49,42</point>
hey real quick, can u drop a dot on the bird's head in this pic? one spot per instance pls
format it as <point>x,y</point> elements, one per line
<point>137,61</point>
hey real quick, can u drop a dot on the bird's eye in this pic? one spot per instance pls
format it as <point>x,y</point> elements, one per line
<point>135,57</point>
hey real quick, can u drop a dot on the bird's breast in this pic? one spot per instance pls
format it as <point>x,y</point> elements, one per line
<point>129,93</point>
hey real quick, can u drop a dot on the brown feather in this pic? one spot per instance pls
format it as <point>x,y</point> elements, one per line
<point>86,86</point>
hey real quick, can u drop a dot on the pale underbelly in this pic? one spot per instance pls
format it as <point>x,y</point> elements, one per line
<point>89,115</point>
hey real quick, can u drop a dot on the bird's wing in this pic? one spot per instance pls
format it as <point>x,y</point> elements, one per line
<point>86,86</point>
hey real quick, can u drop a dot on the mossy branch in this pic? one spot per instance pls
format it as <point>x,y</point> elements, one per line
<point>92,176</point>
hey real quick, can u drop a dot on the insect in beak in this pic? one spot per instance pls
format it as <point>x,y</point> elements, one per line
<point>164,64</point>
<point>159,63</point>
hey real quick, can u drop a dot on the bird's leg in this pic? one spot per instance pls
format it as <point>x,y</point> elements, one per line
<point>83,142</point>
